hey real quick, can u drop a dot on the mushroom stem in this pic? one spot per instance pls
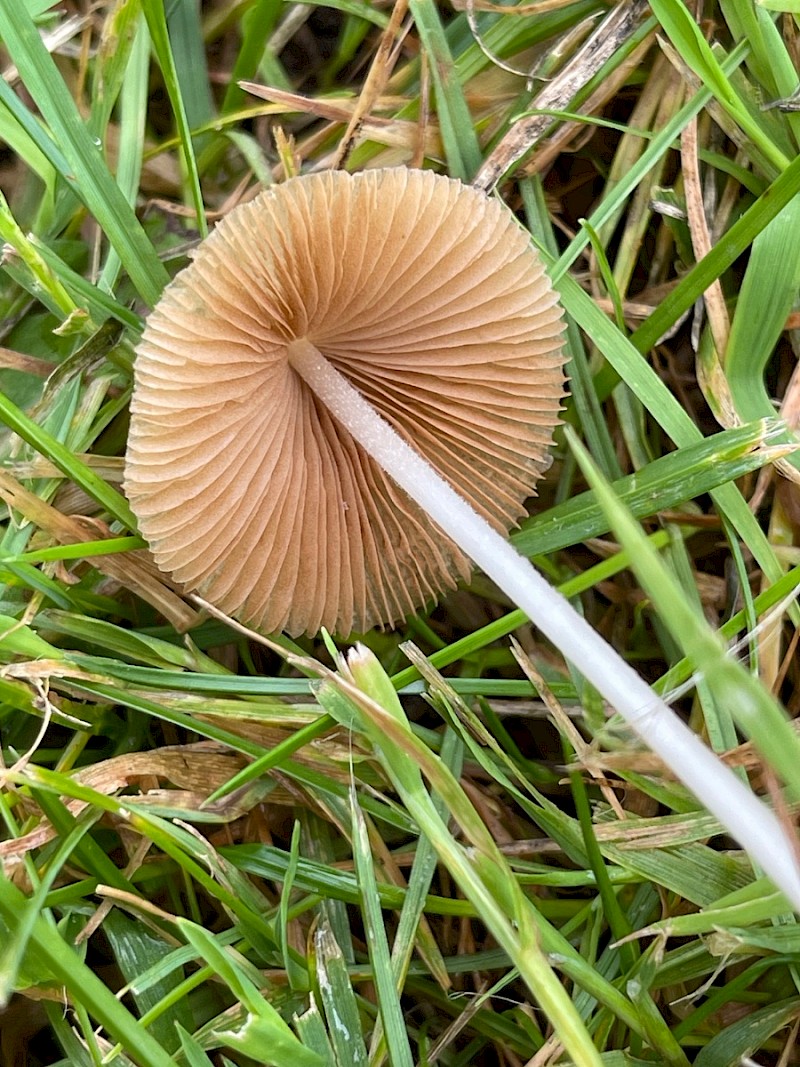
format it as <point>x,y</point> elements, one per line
<point>749,820</point>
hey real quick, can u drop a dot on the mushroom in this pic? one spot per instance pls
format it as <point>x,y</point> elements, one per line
<point>428,298</point>
<point>347,396</point>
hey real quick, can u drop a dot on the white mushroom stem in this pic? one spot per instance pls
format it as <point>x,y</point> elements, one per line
<point>747,819</point>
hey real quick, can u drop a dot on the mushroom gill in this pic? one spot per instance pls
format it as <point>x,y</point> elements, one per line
<point>429,299</point>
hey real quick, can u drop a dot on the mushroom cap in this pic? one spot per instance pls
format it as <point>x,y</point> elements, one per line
<point>430,299</point>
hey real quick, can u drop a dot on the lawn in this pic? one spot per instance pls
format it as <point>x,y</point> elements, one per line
<point>538,815</point>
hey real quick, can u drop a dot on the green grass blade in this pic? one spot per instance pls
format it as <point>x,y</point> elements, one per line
<point>136,948</point>
<point>84,549</point>
<point>132,123</point>
<point>192,1050</point>
<point>739,1040</point>
<point>185,28</point>
<point>583,396</point>
<point>257,24</point>
<point>113,58</point>
<point>264,1036</point>
<point>157,24</point>
<point>388,995</point>
<point>99,303</point>
<point>666,483</point>
<point>458,133</point>
<point>81,983</point>
<point>685,35</point>
<point>726,251</point>
<point>768,292</point>
<point>91,179</point>
<point>67,462</point>
<point>755,711</point>
<point>665,408</point>
<point>338,1001</point>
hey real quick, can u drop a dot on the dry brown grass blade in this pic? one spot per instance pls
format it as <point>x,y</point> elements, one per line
<point>745,756</point>
<point>334,109</point>
<point>133,570</point>
<point>333,754</point>
<point>565,136</point>
<point>391,132</point>
<point>374,83</point>
<point>53,41</point>
<point>586,753</point>
<point>539,8</point>
<point>19,361</point>
<point>609,36</point>
<point>196,770</point>
<point>109,468</point>
<point>137,857</point>
<point>718,319</point>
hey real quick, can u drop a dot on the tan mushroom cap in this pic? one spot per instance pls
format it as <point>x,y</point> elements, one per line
<point>430,299</point>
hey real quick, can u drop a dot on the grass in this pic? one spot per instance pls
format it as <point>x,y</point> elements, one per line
<point>436,847</point>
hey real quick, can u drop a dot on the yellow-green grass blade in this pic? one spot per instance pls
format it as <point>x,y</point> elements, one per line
<point>491,890</point>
